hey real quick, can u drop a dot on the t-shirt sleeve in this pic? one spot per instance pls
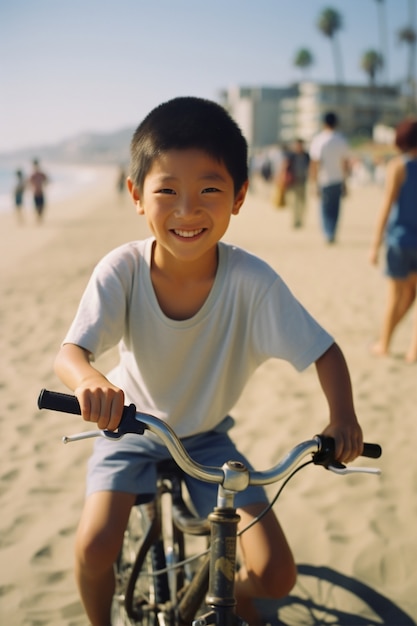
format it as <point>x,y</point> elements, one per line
<point>314,153</point>
<point>284,329</point>
<point>100,319</point>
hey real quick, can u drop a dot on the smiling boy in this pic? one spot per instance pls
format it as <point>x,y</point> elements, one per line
<point>193,318</point>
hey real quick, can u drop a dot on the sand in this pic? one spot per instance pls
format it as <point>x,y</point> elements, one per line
<point>361,527</point>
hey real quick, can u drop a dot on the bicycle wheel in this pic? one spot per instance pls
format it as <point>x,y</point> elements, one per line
<point>180,529</point>
<point>325,597</point>
<point>152,577</point>
<point>139,590</point>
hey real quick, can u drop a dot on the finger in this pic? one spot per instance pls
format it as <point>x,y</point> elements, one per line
<point>85,404</point>
<point>104,397</point>
<point>340,451</point>
<point>116,411</point>
<point>352,448</point>
<point>343,449</point>
<point>111,409</point>
<point>98,409</point>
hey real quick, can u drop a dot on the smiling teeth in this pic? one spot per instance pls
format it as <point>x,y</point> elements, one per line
<point>188,233</point>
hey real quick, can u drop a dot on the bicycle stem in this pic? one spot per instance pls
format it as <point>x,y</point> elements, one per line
<point>220,596</point>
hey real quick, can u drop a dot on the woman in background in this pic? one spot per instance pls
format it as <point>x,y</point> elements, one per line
<point>397,223</point>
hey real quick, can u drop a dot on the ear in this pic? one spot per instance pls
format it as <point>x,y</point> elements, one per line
<point>240,198</point>
<point>134,193</point>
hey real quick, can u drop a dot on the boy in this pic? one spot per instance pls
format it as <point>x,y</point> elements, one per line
<point>193,318</point>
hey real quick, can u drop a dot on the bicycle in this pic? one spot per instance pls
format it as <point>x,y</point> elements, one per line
<point>156,584</point>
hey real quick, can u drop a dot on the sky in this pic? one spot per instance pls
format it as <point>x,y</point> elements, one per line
<point>74,66</point>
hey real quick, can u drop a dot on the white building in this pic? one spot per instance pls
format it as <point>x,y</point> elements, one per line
<point>257,110</point>
<point>269,115</point>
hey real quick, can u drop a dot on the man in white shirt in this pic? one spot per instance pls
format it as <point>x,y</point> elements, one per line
<point>328,171</point>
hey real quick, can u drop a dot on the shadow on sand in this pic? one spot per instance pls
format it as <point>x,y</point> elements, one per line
<point>324,596</point>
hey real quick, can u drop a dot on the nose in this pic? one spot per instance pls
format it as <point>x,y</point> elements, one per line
<point>187,206</point>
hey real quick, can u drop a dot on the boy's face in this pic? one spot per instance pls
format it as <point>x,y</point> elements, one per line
<point>188,199</point>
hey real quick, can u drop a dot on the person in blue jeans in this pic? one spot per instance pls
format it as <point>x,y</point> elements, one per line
<point>329,167</point>
<point>397,223</point>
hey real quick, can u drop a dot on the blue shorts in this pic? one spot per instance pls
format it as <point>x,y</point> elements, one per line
<point>401,262</point>
<point>129,465</point>
<point>18,199</point>
<point>39,201</point>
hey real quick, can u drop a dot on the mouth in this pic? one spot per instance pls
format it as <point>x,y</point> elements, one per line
<point>188,234</point>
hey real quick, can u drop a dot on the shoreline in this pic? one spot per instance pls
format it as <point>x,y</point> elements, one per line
<point>21,238</point>
<point>360,526</point>
<point>67,180</point>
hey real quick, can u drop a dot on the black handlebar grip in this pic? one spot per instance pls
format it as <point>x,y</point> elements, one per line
<point>372,450</point>
<point>58,402</point>
<point>67,403</point>
<point>326,454</point>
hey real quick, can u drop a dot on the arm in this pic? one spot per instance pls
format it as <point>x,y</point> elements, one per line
<point>313,173</point>
<point>343,424</point>
<point>281,172</point>
<point>100,400</point>
<point>394,180</point>
<point>346,173</point>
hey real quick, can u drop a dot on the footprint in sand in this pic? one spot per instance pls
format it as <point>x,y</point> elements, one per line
<point>42,554</point>
<point>6,589</point>
<point>16,531</point>
<point>7,480</point>
<point>50,578</point>
<point>67,532</point>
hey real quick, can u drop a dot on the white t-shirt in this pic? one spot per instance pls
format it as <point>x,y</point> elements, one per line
<point>191,372</point>
<point>330,149</point>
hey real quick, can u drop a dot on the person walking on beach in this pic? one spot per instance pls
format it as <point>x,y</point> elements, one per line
<point>397,223</point>
<point>193,317</point>
<point>37,181</point>
<point>329,168</point>
<point>296,169</point>
<point>19,191</point>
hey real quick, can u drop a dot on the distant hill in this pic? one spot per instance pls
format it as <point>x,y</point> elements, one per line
<point>94,148</point>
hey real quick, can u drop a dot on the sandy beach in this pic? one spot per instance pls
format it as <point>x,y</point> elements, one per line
<point>362,528</point>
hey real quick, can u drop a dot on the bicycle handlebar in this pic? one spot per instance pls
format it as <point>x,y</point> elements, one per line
<point>233,475</point>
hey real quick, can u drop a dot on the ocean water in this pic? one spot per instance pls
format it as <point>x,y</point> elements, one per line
<point>64,181</point>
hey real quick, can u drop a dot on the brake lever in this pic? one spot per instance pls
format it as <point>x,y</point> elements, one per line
<point>130,423</point>
<point>90,434</point>
<point>339,468</point>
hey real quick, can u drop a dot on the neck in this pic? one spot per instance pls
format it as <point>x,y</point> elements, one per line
<point>193,270</point>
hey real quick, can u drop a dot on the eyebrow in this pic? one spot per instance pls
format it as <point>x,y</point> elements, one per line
<point>213,176</point>
<point>207,176</point>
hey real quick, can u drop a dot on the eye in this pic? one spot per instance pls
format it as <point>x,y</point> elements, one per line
<point>166,190</point>
<point>210,190</point>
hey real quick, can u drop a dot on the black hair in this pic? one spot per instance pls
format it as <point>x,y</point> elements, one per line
<point>330,119</point>
<point>189,122</point>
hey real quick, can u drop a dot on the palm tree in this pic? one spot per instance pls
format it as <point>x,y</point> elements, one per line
<point>329,23</point>
<point>303,59</point>
<point>408,36</point>
<point>383,42</point>
<point>372,62</point>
